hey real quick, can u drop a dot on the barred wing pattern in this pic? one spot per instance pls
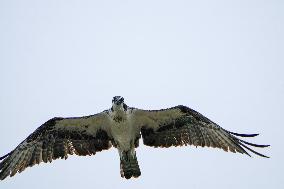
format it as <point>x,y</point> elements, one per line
<point>181,125</point>
<point>55,139</point>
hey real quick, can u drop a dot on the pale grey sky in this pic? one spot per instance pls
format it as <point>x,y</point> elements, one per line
<point>221,58</point>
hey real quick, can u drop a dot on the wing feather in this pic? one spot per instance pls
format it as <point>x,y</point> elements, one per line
<point>181,125</point>
<point>57,138</point>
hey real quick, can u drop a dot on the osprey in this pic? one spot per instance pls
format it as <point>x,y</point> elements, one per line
<point>121,126</point>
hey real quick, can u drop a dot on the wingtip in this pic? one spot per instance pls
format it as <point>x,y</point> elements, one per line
<point>244,135</point>
<point>253,151</point>
<point>255,145</point>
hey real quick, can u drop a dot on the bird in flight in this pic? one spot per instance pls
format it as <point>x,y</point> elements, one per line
<point>121,126</point>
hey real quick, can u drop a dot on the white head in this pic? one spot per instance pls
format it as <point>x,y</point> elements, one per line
<point>118,103</point>
<point>117,100</point>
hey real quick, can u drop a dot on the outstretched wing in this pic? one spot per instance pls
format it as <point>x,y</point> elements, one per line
<point>57,138</point>
<point>181,125</point>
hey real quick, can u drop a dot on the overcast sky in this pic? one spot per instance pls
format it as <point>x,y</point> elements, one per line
<point>221,58</point>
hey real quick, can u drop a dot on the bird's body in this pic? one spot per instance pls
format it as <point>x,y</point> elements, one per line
<point>122,129</point>
<point>121,126</point>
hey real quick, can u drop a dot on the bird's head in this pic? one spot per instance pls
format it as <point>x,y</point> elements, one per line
<point>118,103</point>
<point>117,100</point>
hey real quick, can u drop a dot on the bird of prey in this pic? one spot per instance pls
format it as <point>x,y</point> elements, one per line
<point>121,126</point>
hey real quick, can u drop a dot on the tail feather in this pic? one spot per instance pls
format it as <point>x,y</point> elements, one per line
<point>129,165</point>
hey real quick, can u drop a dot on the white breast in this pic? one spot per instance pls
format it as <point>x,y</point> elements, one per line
<point>124,133</point>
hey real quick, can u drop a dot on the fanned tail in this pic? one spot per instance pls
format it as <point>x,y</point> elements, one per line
<point>129,165</point>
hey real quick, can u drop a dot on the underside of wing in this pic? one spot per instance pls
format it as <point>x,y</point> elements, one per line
<point>50,142</point>
<point>189,127</point>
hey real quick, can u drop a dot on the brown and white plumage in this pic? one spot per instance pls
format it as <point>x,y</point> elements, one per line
<point>181,125</point>
<point>56,138</point>
<point>121,127</point>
